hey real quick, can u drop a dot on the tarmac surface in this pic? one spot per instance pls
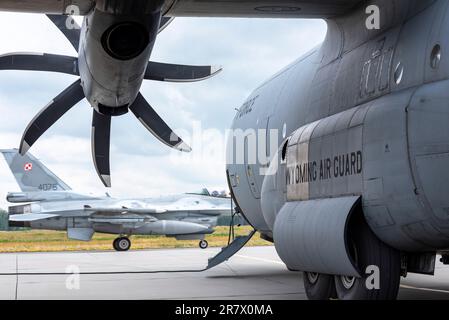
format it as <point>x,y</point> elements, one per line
<point>254,273</point>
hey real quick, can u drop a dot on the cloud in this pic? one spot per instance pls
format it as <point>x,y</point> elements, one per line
<point>250,50</point>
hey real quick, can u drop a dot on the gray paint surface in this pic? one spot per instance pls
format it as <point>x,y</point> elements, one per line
<point>223,8</point>
<point>370,91</point>
<point>318,228</point>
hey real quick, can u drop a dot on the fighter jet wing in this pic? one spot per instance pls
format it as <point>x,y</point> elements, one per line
<point>156,210</point>
<point>123,210</point>
<point>204,211</point>
<point>123,221</point>
<point>195,205</point>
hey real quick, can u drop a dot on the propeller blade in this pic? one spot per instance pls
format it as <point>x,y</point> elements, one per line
<point>101,136</point>
<point>151,120</point>
<point>165,22</point>
<point>179,73</point>
<point>39,62</point>
<point>50,114</point>
<point>68,27</point>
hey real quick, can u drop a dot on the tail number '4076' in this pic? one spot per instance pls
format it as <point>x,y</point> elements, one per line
<point>48,187</point>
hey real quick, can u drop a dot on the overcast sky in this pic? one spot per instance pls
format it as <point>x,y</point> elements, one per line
<point>250,50</point>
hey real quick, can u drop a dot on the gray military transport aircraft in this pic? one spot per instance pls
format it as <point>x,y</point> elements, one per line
<point>356,195</point>
<point>48,203</point>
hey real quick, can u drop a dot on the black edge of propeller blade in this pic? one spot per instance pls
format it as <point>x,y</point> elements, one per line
<point>72,33</point>
<point>50,114</point>
<point>179,73</point>
<point>101,137</point>
<point>40,62</point>
<point>154,123</point>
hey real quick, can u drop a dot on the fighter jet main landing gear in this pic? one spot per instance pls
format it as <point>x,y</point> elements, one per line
<point>122,244</point>
<point>203,244</point>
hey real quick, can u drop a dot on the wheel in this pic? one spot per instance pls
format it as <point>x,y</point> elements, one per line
<point>203,244</point>
<point>115,245</point>
<point>369,253</point>
<point>319,286</point>
<point>122,244</point>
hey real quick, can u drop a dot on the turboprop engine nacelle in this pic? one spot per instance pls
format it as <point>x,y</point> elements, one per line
<point>114,53</point>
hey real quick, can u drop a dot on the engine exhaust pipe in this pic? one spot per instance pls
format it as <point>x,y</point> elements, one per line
<point>126,40</point>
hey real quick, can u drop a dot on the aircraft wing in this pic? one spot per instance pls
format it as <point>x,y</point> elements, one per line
<point>123,210</point>
<point>188,204</point>
<point>202,8</point>
<point>260,8</point>
<point>203,211</point>
<point>156,210</point>
<point>47,6</point>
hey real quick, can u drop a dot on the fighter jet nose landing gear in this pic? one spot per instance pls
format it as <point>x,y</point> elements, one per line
<point>203,244</point>
<point>122,244</point>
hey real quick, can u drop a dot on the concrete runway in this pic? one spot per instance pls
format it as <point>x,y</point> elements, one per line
<point>255,273</point>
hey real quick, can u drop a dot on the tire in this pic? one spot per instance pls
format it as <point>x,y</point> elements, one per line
<point>114,245</point>
<point>370,251</point>
<point>123,244</point>
<point>319,286</point>
<point>203,244</point>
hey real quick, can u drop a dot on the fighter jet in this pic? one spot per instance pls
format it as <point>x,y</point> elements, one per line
<point>46,202</point>
<point>355,195</point>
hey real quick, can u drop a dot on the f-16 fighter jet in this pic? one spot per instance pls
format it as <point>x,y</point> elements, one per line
<point>46,202</point>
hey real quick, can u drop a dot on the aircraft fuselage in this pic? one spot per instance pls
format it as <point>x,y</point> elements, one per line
<point>365,115</point>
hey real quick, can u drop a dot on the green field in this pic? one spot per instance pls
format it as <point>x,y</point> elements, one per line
<point>53,241</point>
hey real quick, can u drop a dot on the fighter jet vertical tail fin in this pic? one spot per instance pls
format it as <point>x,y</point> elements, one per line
<point>31,174</point>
